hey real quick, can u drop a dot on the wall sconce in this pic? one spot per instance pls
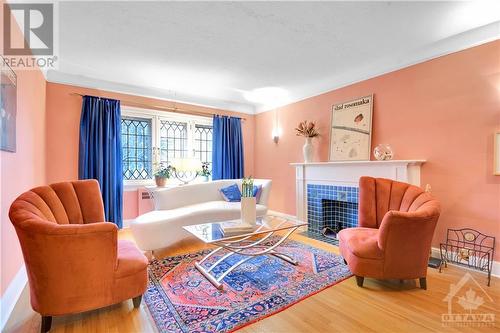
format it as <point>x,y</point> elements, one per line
<point>276,134</point>
<point>276,129</point>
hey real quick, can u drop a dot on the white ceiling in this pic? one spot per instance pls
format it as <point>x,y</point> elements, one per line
<point>212,53</point>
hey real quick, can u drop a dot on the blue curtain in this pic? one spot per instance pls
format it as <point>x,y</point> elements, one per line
<point>100,154</point>
<point>227,148</point>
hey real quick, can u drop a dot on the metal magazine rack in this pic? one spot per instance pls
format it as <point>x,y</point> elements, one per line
<point>469,248</point>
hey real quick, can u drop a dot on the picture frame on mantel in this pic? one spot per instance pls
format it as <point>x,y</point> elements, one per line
<point>351,130</point>
<point>496,154</point>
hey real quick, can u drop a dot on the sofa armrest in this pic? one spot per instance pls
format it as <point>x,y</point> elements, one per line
<point>266,191</point>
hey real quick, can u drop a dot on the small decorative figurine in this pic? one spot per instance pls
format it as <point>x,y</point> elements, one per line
<point>383,152</point>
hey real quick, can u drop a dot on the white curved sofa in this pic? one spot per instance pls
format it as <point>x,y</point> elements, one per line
<point>186,205</point>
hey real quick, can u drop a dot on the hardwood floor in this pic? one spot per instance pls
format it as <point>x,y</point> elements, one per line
<point>380,306</point>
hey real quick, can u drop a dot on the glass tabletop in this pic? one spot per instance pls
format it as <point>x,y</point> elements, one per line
<point>212,232</point>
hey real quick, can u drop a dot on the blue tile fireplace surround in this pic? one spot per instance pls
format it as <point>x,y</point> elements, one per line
<point>331,206</point>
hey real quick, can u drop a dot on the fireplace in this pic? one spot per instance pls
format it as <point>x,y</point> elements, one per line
<point>317,182</point>
<point>331,207</point>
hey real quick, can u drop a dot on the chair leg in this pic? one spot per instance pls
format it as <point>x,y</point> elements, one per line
<point>359,280</point>
<point>46,324</point>
<point>137,301</point>
<point>423,283</point>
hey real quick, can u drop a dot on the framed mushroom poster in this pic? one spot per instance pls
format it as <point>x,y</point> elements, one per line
<point>351,130</point>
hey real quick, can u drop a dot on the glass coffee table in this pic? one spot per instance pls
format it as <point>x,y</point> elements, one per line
<point>247,245</point>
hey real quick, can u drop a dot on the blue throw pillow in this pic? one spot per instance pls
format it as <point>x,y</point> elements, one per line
<point>231,193</point>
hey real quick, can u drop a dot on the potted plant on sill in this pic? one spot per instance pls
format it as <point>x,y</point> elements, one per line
<point>307,130</point>
<point>205,171</point>
<point>162,174</point>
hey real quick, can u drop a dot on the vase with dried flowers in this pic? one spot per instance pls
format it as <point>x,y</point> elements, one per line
<point>309,131</point>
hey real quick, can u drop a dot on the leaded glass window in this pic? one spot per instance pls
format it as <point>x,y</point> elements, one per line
<point>203,143</point>
<point>173,140</point>
<point>151,138</point>
<point>137,148</point>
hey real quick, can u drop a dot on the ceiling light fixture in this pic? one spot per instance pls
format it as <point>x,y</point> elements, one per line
<point>269,97</point>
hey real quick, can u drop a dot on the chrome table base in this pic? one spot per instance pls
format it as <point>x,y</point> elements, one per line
<point>247,248</point>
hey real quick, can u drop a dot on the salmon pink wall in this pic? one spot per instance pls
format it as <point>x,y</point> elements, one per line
<point>63,121</point>
<point>25,168</point>
<point>130,204</point>
<point>444,110</point>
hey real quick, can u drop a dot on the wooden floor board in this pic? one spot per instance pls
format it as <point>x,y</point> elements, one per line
<point>380,306</point>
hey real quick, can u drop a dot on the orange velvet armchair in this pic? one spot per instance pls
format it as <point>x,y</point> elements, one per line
<point>73,258</point>
<point>396,225</point>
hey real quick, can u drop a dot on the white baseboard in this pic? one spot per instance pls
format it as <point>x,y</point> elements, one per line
<point>495,270</point>
<point>11,295</point>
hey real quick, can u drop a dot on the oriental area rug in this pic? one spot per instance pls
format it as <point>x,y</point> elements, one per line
<point>180,299</point>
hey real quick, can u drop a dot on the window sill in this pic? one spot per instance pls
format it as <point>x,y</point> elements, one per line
<point>172,182</point>
<point>135,186</point>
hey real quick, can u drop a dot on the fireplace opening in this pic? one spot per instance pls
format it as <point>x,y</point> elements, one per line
<point>338,215</point>
<point>330,208</point>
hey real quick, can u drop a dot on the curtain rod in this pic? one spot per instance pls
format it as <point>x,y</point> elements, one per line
<point>160,107</point>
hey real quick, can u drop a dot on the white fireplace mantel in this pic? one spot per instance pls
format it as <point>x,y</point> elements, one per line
<point>348,173</point>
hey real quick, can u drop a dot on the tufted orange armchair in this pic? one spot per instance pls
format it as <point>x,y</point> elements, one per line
<point>73,258</point>
<point>396,225</point>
